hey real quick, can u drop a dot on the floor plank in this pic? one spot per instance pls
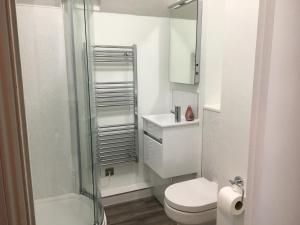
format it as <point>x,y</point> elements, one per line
<point>147,211</point>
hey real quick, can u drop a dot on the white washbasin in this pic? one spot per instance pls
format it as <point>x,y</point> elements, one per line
<point>168,120</point>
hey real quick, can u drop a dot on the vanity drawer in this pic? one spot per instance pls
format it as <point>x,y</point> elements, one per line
<point>153,130</point>
<point>153,154</point>
<point>151,136</point>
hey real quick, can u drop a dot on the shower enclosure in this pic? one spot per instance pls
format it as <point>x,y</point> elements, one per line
<point>89,75</point>
<point>54,38</point>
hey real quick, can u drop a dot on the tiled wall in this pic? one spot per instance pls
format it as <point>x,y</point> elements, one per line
<point>211,144</point>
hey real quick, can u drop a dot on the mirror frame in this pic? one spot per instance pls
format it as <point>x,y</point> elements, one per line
<point>198,42</point>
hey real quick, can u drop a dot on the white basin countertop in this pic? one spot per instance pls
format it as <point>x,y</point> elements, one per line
<point>168,120</point>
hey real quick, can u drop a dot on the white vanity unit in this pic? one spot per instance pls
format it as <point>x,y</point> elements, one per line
<point>171,148</point>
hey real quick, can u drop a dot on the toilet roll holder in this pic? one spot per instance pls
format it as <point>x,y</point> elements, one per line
<point>239,183</point>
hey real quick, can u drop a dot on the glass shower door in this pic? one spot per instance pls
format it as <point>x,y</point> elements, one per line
<point>88,183</point>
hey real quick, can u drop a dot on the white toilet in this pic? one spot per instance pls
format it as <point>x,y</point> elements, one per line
<point>192,202</point>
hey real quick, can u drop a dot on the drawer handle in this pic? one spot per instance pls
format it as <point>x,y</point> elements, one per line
<point>159,140</point>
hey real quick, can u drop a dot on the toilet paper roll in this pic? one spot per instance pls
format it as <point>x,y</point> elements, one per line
<point>230,201</point>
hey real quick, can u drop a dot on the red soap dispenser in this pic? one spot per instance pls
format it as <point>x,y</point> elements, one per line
<point>189,115</point>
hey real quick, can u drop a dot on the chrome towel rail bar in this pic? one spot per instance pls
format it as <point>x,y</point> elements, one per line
<point>117,143</point>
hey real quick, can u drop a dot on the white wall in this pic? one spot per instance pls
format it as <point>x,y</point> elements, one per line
<point>229,58</point>
<point>42,47</point>
<point>212,50</point>
<point>275,183</point>
<point>151,35</point>
<point>240,33</point>
<point>212,56</point>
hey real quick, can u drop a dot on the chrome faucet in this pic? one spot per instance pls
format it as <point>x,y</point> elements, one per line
<point>177,113</point>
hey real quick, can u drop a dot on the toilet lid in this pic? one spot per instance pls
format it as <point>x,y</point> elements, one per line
<point>195,195</point>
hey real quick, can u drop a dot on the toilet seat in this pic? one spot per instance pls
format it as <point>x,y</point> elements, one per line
<point>190,218</point>
<point>193,196</point>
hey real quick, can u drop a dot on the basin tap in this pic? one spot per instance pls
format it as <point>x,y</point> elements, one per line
<point>177,113</point>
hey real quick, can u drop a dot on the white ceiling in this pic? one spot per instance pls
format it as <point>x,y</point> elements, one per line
<point>56,3</point>
<point>137,7</point>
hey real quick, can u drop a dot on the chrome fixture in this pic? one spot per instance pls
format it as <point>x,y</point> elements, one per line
<point>239,183</point>
<point>180,3</point>
<point>177,114</point>
<point>117,143</point>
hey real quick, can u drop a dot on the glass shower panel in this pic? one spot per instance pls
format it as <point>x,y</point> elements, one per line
<point>89,6</point>
<point>81,11</point>
<point>53,49</point>
<point>83,106</point>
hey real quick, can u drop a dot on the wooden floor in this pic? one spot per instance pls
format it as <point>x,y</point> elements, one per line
<point>147,211</point>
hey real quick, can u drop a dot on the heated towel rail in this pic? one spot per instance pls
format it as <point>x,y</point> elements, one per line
<point>117,143</point>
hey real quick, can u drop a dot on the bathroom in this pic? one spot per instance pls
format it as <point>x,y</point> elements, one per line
<point>139,112</point>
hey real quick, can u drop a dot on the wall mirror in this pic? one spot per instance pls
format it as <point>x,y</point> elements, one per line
<point>185,37</point>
